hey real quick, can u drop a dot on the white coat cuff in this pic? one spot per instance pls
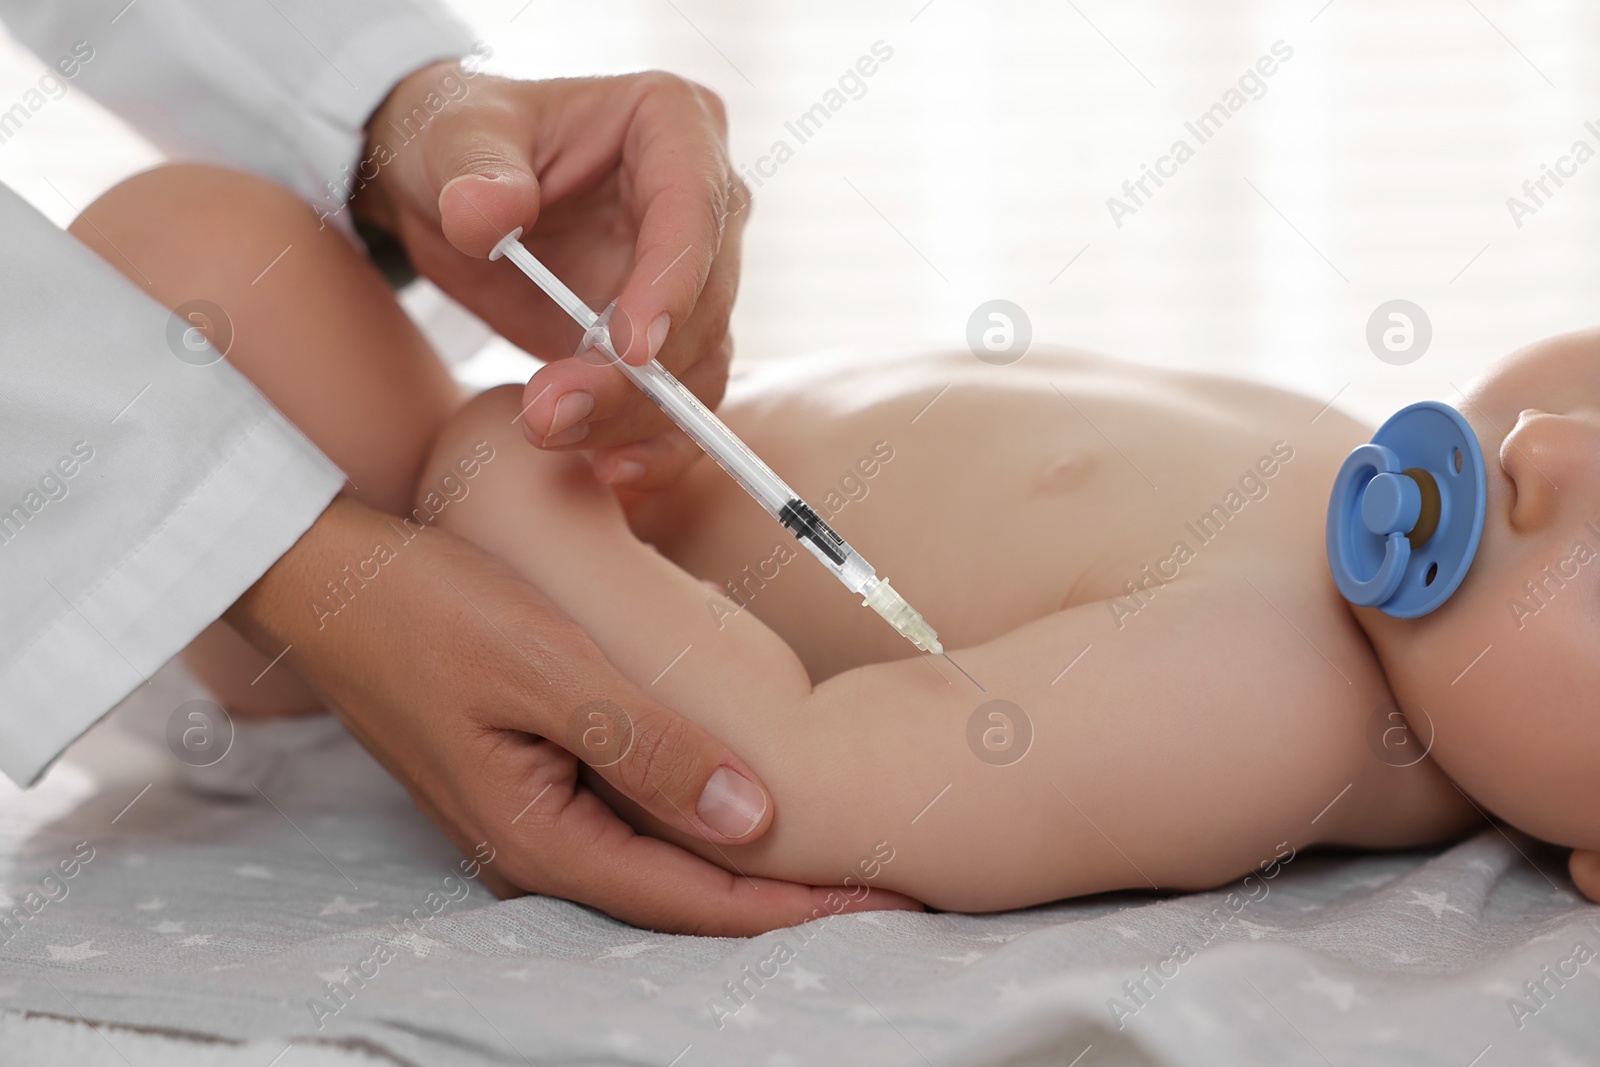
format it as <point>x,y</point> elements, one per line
<point>253,506</point>
<point>376,59</point>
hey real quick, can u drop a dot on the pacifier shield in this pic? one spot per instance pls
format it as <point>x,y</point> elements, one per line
<point>1406,512</point>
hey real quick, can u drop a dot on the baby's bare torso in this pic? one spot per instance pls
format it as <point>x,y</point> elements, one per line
<point>992,496</point>
<point>1175,504</point>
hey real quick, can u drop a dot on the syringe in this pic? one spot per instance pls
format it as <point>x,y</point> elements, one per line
<point>732,455</point>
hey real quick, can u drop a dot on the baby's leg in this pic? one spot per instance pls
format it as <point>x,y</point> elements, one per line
<point>313,326</point>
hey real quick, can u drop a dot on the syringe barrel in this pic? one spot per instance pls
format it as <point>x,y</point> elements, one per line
<point>712,435</point>
<point>703,427</point>
<point>659,384</point>
<point>746,468</point>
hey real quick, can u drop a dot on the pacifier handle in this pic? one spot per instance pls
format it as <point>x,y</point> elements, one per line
<point>1370,480</point>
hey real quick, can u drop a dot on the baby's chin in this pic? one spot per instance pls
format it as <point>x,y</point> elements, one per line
<point>1512,695</point>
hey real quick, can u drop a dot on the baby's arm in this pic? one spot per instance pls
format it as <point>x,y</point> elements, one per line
<point>1127,782</point>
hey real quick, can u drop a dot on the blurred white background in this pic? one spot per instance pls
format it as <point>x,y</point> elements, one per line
<point>978,162</point>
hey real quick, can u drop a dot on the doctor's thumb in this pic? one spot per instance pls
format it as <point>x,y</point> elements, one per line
<point>672,768</point>
<point>484,198</point>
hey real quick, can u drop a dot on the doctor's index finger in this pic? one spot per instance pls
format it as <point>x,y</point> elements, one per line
<point>689,203</point>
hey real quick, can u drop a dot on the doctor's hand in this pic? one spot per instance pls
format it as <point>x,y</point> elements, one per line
<point>623,188</point>
<point>465,683</point>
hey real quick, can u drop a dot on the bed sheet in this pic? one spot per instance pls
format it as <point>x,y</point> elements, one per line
<point>206,930</point>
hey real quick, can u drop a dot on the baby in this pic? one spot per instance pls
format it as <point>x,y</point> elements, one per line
<point>1152,681</point>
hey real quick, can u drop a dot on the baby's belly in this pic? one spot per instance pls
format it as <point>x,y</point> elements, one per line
<point>956,536</point>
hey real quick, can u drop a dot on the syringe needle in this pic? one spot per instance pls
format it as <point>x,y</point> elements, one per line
<point>958,667</point>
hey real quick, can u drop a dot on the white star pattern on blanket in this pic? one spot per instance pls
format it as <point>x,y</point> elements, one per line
<point>628,951</point>
<point>1438,903</point>
<point>340,906</point>
<point>1342,994</point>
<point>72,953</point>
<point>801,978</point>
<point>965,960</point>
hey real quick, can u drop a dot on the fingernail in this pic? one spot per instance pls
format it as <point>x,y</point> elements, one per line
<point>628,470</point>
<point>464,182</point>
<point>621,330</point>
<point>732,804</point>
<point>570,409</point>
<point>657,333</point>
<point>570,436</point>
<point>468,177</point>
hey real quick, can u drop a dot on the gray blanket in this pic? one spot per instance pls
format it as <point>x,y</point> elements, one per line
<point>321,919</point>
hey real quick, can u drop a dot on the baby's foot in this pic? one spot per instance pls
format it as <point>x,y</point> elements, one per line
<point>241,679</point>
<point>217,752</point>
<point>1585,868</point>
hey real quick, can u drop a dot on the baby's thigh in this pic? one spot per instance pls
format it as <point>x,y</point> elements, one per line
<point>534,509</point>
<point>544,515</point>
<point>295,307</point>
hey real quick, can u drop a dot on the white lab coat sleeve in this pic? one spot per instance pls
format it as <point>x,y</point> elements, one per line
<point>140,493</point>
<point>279,87</point>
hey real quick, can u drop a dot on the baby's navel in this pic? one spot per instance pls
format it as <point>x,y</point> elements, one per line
<point>1062,474</point>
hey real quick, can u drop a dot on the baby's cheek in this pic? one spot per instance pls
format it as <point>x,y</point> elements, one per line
<point>1519,722</point>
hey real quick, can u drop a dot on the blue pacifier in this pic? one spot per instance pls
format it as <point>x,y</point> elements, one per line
<point>1407,511</point>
